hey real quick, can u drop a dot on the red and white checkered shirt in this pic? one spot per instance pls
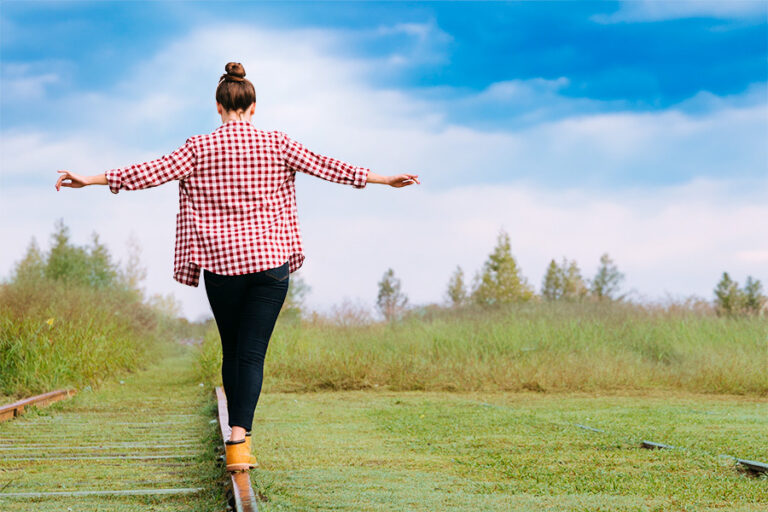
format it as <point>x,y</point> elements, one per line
<point>237,198</point>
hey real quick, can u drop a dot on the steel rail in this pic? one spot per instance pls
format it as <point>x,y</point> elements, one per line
<point>102,457</point>
<point>10,411</point>
<point>243,499</point>
<point>127,492</point>
<point>752,466</point>
<point>45,448</point>
<point>655,446</point>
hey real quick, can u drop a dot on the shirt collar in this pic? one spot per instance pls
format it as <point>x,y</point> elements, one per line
<point>234,122</point>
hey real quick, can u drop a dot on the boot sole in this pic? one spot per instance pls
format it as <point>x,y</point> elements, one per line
<point>238,467</point>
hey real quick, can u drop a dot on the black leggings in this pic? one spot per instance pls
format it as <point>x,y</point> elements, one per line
<point>245,308</point>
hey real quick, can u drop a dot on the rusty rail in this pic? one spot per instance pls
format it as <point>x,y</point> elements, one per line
<point>242,499</point>
<point>15,409</point>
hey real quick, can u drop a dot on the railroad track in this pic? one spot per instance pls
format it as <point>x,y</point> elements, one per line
<point>135,447</point>
<point>241,495</point>
<point>10,411</point>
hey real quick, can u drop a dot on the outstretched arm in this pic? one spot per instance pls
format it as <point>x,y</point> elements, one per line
<point>72,180</point>
<point>397,180</point>
<point>174,166</point>
<point>299,158</point>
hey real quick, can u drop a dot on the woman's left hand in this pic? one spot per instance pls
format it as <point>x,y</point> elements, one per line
<point>402,180</point>
<point>72,180</point>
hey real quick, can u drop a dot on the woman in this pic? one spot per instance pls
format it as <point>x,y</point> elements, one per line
<point>238,222</point>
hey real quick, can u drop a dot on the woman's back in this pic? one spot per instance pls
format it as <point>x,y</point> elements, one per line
<point>237,198</point>
<point>240,183</point>
<point>238,206</point>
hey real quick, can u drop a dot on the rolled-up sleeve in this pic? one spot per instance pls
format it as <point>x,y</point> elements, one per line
<point>174,166</point>
<point>299,158</point>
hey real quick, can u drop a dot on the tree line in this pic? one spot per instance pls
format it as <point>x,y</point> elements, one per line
<point>500,281</point>
<point>89,266</point>
<point>731,300</point>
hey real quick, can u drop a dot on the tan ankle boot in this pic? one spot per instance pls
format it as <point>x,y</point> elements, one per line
<point>253,461</point>
<point>238,456</point>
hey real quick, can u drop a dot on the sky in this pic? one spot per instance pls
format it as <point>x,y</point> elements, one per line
<point>635,128</point>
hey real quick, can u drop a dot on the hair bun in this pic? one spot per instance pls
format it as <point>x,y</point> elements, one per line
<point>235,69</point>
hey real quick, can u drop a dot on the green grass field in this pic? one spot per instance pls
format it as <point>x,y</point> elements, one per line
<point>540,346</point>
<point>475,409</point>
<point>467,410</point>
<point>366,451</point>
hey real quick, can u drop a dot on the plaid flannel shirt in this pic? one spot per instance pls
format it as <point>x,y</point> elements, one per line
<point>237,198</point>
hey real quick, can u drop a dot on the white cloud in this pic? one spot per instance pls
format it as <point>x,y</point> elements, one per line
<point>427,44</point>
<point>673,238</point>
<point>656,10</point>
<point>25,82</point>
<point>33,156</point>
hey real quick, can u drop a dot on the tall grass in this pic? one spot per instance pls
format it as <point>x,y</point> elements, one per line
<point>537,346</point>
<point>54,334</point>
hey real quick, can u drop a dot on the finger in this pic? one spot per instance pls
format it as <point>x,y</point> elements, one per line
<point>61,177</point>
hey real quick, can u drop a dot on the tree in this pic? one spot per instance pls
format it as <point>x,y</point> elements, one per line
<point>457,290</point>
<point>607,280</point>
<point>728,297</point>
<point>167,304</point>
<point>574,287</point>
<point>101,272</point>
<point>563,282</point>
<point>89,266</point>
<point>391,301</point>
<point>32,264</point>
<point>293,306</point>
<point>133,273</point>
<point>501,280</point>
<point>552,286</point>
<point>753,297</point>
<point>65,261</point>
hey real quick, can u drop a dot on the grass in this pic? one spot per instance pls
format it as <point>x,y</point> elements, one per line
<point>474,410</point>
<point>368,451</point>
<point>540,346</point>
<point>55,335</point>
<point>146,413</point>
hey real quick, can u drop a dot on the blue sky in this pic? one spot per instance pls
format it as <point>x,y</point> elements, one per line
<point>647,65</point>
<point>649,104</point>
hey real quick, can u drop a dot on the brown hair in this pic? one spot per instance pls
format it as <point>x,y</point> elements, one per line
<point>234,91</point>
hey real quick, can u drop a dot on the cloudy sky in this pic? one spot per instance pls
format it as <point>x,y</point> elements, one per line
<point>634,128</point>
